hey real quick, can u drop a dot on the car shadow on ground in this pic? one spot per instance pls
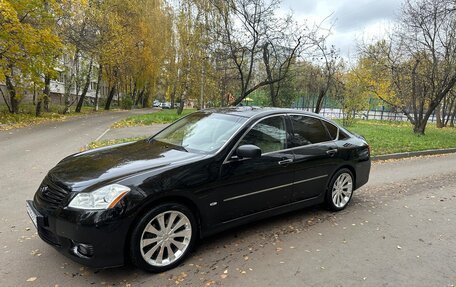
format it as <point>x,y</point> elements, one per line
<point>232,244</point>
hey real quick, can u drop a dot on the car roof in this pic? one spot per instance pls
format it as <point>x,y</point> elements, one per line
<point>256,112</point>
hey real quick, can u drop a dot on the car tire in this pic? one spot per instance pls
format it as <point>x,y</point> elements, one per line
<point>163,237</point>
<point>340,190</point>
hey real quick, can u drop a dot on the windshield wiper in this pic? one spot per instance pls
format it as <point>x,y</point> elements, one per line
<point>178,147</point>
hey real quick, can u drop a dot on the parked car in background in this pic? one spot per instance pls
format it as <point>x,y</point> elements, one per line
<point>149,201</point>
<point>156,104</point>
<point>166,105</point>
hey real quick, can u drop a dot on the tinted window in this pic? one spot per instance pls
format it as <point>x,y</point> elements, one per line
<point>342,135</point>
<point>201,132</point>
<point>332,129</point>
<point>308,130</point>
<point>269,135</point>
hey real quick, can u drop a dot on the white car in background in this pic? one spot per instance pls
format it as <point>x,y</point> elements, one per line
<point>166,105</point>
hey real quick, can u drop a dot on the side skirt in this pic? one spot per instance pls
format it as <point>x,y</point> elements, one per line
<point>211,230</point>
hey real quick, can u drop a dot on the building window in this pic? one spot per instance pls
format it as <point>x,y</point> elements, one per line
<point>61,78</point>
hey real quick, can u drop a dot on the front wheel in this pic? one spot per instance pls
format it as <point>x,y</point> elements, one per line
<point>163,237</point>
<point>340,190</point>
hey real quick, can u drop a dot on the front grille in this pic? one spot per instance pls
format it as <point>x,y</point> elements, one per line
<point>51,195</point>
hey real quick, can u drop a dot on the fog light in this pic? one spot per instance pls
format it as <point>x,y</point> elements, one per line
<point>83,250</point>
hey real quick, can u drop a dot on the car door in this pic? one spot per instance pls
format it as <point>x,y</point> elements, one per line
<point>248,186</point>
<point>315,156</point>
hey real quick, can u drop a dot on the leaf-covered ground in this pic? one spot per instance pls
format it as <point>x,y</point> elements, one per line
<point>27,117</point>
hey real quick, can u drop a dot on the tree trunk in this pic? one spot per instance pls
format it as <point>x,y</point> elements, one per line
<point>139,97</point>
<point>183,98</point>
<point>14,102</point>
<point>272,94</point>
<point>146,102</point>
<point>38,108</point>
<point>85,89</point>
<point>68,102</point>
<point>34,94</point>
<point>97,91</point>
<point>420,124</point>
<point>453,117</point>
<point>438,117</point>
<point>420,127</point>
<point>172,96</point>
<point>173,93</point>
<point>46,91</point>
<point>321,95</point>
<point>46,101</point>
<point>449,111</point>
<point>111,95</point>
<point>6,101</point>
<point>134,94</point>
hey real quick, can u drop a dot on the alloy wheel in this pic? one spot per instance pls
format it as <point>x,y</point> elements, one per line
<point>342,190</point>
<point>165,238</point>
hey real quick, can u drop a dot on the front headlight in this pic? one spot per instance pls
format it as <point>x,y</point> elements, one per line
<point>102,198</point>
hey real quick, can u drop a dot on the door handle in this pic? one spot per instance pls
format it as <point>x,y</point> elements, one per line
<point>285,161</point>
<point>331,152</point>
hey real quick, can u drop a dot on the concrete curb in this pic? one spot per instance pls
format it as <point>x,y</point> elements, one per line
<point>413,154</point>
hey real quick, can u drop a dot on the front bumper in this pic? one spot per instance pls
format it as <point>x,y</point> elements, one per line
<point>93,238</point>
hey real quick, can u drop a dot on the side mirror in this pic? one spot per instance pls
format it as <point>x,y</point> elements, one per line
<point>248,151</point>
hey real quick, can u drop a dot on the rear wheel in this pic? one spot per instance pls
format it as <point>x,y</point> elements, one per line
<point>340,190</point>
<point>163,237</point>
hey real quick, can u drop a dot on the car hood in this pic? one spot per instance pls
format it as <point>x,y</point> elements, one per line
<point>104,164</point>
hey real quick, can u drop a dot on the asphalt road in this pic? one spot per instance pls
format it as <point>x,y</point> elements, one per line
<point>400,229</point>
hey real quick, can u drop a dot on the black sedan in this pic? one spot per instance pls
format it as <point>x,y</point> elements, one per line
<point>149,201</point>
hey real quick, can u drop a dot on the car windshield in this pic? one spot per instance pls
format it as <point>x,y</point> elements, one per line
<point>201,132</point>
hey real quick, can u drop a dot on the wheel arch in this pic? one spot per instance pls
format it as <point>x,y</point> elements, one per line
<point>350,168</point>
<point>155,202</point>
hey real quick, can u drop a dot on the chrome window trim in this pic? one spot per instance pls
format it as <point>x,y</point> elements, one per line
<point>273,188</point>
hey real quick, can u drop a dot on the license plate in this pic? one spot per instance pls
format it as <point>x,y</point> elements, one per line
<point>31,213</point>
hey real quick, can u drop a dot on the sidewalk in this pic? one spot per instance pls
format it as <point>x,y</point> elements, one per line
<point>130,132</point>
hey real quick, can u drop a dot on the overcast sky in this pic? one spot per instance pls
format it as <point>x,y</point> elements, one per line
<point>352,21</point>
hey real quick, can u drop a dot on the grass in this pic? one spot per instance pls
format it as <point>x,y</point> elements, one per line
<point>387,137</point>
<point>160,117</point>
<point>26,116</point>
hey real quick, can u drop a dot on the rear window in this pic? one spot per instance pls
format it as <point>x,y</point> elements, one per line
<point>332,129</point>
<point>342,135</point>
<point>308,130</point>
